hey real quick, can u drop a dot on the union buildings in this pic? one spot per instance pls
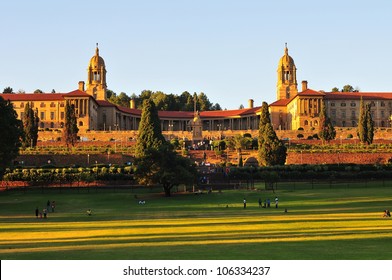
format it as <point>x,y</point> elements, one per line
<point>292,109</point>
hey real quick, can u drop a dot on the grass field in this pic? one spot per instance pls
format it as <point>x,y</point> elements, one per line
<point>336,223</point>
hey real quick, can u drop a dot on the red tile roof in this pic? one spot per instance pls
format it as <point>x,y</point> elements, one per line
<point>33,96</point>
<point>358,95</point>
<point>281,102</point>
<point>311,92</point>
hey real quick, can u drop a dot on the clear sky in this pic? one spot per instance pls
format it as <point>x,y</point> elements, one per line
<point>226,49</point>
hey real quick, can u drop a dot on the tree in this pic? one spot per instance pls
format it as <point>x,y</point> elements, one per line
<point>335,89</point>
<point>8,90</point>
<point>70,131</point>
<point>38,91</point>
<point>238,142</point>
<point>348,88</point>
<point>264,119</point>
<point>369,124</point>
<point>271,150</point>
<point>326,130</point>
<point>365,123</point>
<point>150,133</point>
<point>30,126</point>
<point>164,166</point>
<point>12,134</point>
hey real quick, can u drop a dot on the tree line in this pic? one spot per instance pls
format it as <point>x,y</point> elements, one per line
<point>165,102</point>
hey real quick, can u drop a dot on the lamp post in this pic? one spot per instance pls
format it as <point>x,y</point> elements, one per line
<point>88,159</point>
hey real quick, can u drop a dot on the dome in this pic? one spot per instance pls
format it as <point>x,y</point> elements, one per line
<point>96,62</point>
<point>286,61</point>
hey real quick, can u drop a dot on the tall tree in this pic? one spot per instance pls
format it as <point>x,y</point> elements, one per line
<point>271,150</point>
<point>70,131</point>
<point>369,124</point>
<point>150,133</point>
<point>8,90</point>
<point>326,130</point>
<point>362,126</point>
<point>12,134</point>
<point>264,119</point>
<point>30,126</point>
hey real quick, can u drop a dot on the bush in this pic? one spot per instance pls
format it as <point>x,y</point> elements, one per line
<point>300,128</point>
<point>349,136</point>
<point>300,136</point>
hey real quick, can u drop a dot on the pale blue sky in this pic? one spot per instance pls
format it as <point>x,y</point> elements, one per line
<point>227,49</point>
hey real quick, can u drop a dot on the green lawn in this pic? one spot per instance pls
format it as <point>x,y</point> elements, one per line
<point>336,223</point>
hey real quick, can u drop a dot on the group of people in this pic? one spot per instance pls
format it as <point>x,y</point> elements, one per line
<point>267,203</point>
<point>387,214</point>
<point>44,213</point>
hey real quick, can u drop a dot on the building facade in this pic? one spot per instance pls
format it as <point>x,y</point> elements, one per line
<point>295,109</point>
<point>292,109</point>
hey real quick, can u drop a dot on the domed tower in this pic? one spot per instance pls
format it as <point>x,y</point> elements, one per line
<point>96,77</point>
<point>287,77</point>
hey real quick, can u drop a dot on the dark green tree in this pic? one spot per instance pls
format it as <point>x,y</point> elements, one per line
<point>164,166</point>
<point>204,103</point>
<point>271,150</point>
<point>150,133</point>
<point>365,123</point>
<point>326,130</point>
<point>12,134</point>
<point>38,91</point>
<point>30,126</point>
<point>8,90</point>
<point>369,124</point>
<point>264,119</point>
<point>70,131</point>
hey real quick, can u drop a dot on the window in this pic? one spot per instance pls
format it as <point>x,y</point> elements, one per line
<point>62,115</point>
<point>52,115</point>
<point>306,123</point>
<point>353,123</point>
<point>80,123</point>
<point>353,114</point>
<point>21,105</point>
<point>52,125</point>
<point>42,116</point>
<point>343,123</point>
<point>382,104</point>
<point>52,104</point>
<point>353,104</point>
<point>372,104</point>
<point>42,105</point>
<point>332,104</point>
<point>382,114</point>
<point>333,112</point>
<point>343,104</point>
<point>343,114</point>
<point>42,125</point>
